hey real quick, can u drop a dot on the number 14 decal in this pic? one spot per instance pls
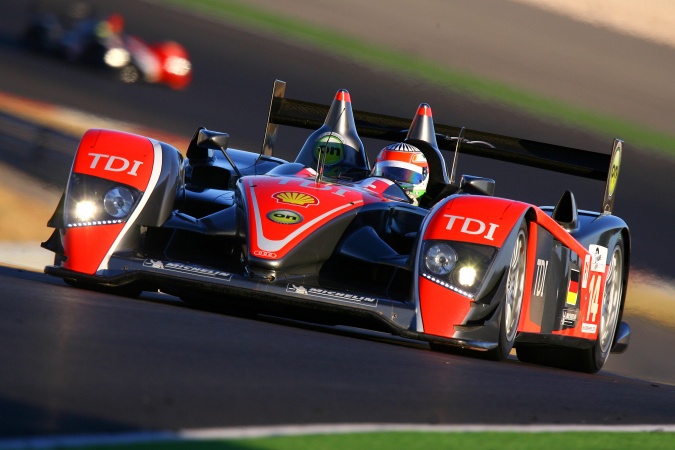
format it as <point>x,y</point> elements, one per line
<point>594,289</point>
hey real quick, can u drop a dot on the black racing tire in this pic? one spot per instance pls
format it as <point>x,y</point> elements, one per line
<point>589,360</point>
<point>129,74</point>
<point>512,303</point>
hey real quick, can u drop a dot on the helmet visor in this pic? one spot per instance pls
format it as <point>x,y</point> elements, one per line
<point>400,174</point>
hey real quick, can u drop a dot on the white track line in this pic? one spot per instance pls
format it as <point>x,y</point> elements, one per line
<point>199,434</point>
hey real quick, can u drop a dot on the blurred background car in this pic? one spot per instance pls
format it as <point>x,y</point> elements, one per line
<point>78,35</point>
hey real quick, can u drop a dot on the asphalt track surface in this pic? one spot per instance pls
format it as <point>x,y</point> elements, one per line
<point>77,361</point>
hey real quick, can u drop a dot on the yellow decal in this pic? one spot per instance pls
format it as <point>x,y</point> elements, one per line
<point>614,170</point>
<point>284,216</point>
<point>334,147</point>
<point>296,198</point>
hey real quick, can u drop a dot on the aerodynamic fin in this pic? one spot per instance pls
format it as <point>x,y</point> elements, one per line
<point>337,142</point>
<point>422,135</point>
<point>279,91</point>
<point>557,158</point>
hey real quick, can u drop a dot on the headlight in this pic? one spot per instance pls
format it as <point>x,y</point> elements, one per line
<point>118,202</point>
<point>458,266</point>
<point>97,201</point>
<point>440,259</point>
<point>117,57</point>
<point>177,66</point>
<point>466,276</point>
<point>85,210</point>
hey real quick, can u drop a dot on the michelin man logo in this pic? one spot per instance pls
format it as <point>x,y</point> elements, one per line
<point>155,264</point>
<point>297,289</point>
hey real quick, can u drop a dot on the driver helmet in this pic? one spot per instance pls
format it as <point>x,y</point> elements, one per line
<point>406,165</point>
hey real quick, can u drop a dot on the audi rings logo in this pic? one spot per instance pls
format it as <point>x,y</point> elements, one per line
<point>264,254</point>
<point>284,216</point>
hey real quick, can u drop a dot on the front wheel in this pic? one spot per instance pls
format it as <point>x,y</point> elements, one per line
<point>512,303</point>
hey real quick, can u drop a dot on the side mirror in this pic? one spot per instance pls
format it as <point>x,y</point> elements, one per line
<point>477,185</point>
<point>208,139</point>
<point>212,139</point>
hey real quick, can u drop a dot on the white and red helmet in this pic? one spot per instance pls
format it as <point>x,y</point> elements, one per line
<point>406,165</point>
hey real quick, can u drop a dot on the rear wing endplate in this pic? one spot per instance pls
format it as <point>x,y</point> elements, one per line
<point>567,160</point>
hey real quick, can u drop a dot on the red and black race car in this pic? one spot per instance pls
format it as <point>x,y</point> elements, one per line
<point>327,238</point>
<point>81,37</point>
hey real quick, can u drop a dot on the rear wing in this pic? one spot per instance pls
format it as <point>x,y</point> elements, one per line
<point>567,160</point>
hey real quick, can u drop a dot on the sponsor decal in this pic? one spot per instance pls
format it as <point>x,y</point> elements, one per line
<point>284,217</point>
<point>573,289</point>
<point>569,315</point>
<point>471,226</point>
<point>614,170</point>
<point>264,254</point>
<point>296,198</point>
<point>378,184</point>
<point>419,158</point>
<point>277,245</point>
<point>540,278</point>
<point>333,145</point>
<point>569,318</point>
<point>587,268</point>
<point>588,328</point>
<point>594,303</point>
<point>114,163</point>
<point>185,268</point>
<point>297,289</point>
<point>155,264</point>
<point>311,184</point>
<point>331,295</point>
<point>598,258</point>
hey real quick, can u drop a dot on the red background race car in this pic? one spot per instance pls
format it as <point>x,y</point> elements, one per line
<point>80,37</point>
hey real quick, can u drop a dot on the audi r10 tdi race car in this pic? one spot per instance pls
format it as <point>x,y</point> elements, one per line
<point>330,239</point>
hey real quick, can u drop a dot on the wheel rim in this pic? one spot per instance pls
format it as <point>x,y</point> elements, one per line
<point>612,301</point>
<point>515,288</point>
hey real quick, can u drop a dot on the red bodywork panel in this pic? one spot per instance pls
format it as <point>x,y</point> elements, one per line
<point>475,219</point>
<point>283,211</point>
<point>117,156</point>
<point>488,221</point>
<point>123,157</point>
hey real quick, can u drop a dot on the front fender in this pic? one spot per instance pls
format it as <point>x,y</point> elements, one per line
<point>443,309</point>
<point>107,160</point>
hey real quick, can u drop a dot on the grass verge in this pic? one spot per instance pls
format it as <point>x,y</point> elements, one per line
<point>481,88</point>
<point>421,440</point>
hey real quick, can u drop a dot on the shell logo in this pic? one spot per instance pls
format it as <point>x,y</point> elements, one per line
<point>296,198</point>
